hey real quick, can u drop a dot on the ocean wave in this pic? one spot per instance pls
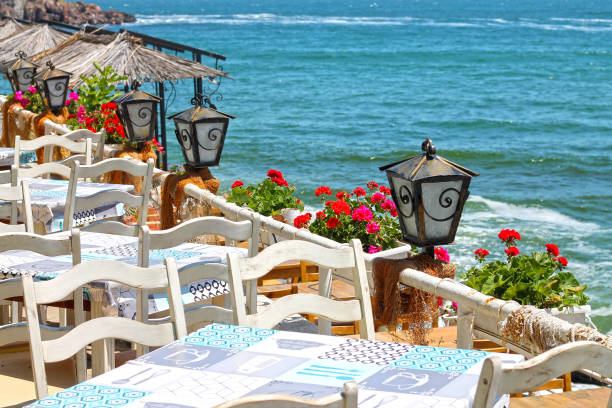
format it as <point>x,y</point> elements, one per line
<point>554,24</point>
<point>523,213</point>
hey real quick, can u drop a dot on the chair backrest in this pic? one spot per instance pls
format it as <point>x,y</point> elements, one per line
<point>49,167</point>
<point>348,398</point>
<point>98,141</point>
<point>150,240</point>
<point>84,333</point>
<point>141,201</point>
<point>45,245</point>
<point>351,257</point>
<point>14,194</point>
<point>496,379</point>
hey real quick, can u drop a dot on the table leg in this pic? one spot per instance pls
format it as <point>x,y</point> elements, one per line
<point>102,351</point>
<point>325,289</point>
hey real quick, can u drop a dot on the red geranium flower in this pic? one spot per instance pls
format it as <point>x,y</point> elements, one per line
<point>274,174</point>
<point>377,198</point>
<point>320,215</point>
<point>385,190</point>
<point>341,206</point>
<point>301,221</point>
<point>372,185</point>
<point>237,183</point>
<point>333,222</point>
<point>323,190</point>
<point>562,261</point>
<point>340,194</point>
<point>280,181</point>
<point>359,192</point>
<point>512,251</point>
<point>552,249</point>
<point>509,235</point>
<point>388,205</point>
<point>481,253</point>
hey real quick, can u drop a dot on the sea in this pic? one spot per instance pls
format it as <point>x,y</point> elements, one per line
<point>326,91</point>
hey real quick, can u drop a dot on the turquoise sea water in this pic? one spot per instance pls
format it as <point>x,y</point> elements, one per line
<point>327,91</point>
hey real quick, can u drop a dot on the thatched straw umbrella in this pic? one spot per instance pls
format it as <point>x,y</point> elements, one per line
<point>126,54</point>
<point>9,27</point>
<point>31,41</point>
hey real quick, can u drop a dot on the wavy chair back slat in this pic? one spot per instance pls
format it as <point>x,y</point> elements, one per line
<point>348,398</point>
<point>45,245</point>
<point>295,250</point>
<point>14,194</point>
<point>48,143</point>
<point>150,240</point>
<point>84,333</point>
<point>98,141</point>
<point>94,171</point>
<point>497,378</point>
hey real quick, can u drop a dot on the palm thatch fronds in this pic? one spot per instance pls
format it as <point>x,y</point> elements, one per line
<point>9,27</point>
<point>126,54</point>
<point>31,41</point>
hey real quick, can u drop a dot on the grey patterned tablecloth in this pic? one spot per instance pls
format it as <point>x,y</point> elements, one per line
<point>96,246</point>
<point>8,153</point>
<point>222,362</point>
<point>48,199</point>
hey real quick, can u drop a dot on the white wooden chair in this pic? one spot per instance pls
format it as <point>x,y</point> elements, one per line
<point>84,333</point>
<point>351,257</point>
<point>12,288</point>
<point>48,142</point>
<point>98,142</point>
<point>348,398</point>
<point>496,379</point>
<point>141,201</point>
<point>14,194</point>
<point>196,313</point>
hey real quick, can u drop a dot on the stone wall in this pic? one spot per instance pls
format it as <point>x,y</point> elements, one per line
<point>76,13</point>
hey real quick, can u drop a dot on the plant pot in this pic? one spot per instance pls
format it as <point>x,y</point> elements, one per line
<point>449,320</point>
<point>289,214</point>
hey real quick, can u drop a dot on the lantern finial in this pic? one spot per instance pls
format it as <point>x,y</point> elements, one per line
<point>429,148</point>
<point>50,65</point>
<point>136,84</point>
<point>20,54</point>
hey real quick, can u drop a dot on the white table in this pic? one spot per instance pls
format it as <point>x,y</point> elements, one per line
<point>7,155</point>
<point>223,362</point>
<point>48,198</point>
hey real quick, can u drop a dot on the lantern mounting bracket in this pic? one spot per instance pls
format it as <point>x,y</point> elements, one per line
<point>135,85</point>
<point>199,100</point>
<point>50,65</point>
<point>20,54</point>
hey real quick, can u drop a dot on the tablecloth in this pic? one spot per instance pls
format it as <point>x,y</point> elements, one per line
<point>222,362</point>
<point>96,246</point>
<point>8,153</point>
<point>48,198</point>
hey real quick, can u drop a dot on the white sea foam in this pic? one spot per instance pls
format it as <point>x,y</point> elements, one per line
<point>553,24</point>
<point>534,214</point>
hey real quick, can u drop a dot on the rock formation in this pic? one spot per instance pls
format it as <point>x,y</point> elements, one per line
<point>76,13</point>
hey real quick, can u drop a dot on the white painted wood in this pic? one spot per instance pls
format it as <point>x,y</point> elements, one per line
<point>16,332</point>
<point>98,140</point>
<point>112,227</point>
<point>103,327</point>
<point>348,398</point>
<point>95,171</point>
<point>496,378</point>
<point>325,290</point>
<point>44,169</point>
<point>37,243</point>
<point>251,268</point>
<point>15,194</point>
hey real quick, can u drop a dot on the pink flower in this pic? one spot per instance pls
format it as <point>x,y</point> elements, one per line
<point>374,249</point>
<point>388,205</point>
<point>24,102</point>
<point>73,95</point>
<point>68,102</point>
<point>372,227</point>
<point>442,254</point>
<point>362,213</point>
<point>18,95</point>
<point>32,89</point>
<point>377,198</point>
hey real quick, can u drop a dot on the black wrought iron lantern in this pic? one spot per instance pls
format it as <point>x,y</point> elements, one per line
<point>137,111</point>
<point>201,132</point>
<point>53,86</point>
<point>21,72</point>
<point>429,192</point>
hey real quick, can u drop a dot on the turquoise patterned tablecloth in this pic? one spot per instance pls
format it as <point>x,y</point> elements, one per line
<point>222,362</point>
<point>8,153</point>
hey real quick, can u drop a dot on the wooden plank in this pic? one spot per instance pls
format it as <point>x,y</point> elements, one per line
<point>593,398</point>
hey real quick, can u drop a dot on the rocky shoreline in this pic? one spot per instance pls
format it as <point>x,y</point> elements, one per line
<point>76,13</point>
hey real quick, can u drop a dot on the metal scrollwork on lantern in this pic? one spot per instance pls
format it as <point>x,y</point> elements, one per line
<point>53,86</point>
<point>201,132</point>
<point>429,192</point>
<point>21,72</point>
<point>137,111</point>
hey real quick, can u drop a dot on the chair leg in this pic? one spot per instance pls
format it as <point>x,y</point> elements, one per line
<point>15,312</point>
<point>63,318</point>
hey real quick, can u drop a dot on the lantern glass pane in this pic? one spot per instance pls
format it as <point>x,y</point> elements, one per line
<point>404,194</point>
<point>209,137</point>
<point>56,91</point>
<point>25,78</point>
<point>185,138</point>
<point>440,201</point>
<point>141,117</point>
